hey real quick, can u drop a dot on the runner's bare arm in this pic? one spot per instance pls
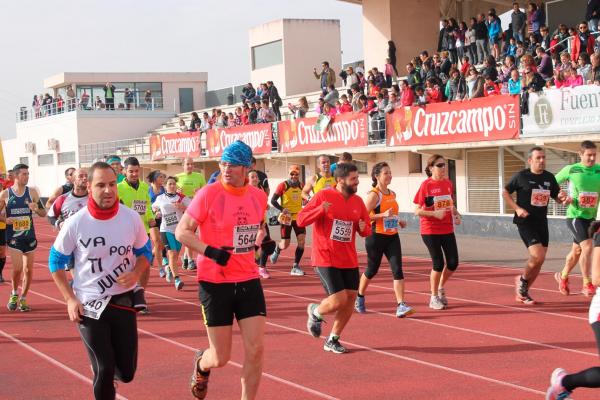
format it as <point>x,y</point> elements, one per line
<point>36,203</point>
<point>74,306</point>
<point>371,203</point>
<point>3,197</point>
<point>509,200</point>
<point>57,192</point>
<point>308,187</point>
<point>420,212</point>
<point>185,233</point>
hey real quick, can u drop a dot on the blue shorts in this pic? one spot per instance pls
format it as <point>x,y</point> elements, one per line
<point>170,242</point>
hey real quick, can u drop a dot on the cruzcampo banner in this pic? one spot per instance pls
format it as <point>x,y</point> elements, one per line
<point>175,145</point>
<point>486,118</point>
<point>257,136</point>
<point>343,130</point>
<point>563,111</point>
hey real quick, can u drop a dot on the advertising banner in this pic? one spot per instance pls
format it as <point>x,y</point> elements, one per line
<point>304,134</point>
<point>486,118</point>
<point>563,111</point>
<point>175,145</point>
<point>257,136</point>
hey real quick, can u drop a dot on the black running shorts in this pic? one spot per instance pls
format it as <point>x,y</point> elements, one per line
<point>2,237</point>
<point>337,279</point>
<point>534,233</point>
<point>23,245</point>
<point>579,228</point>
<point>286,230</point>
<point>222,301</point>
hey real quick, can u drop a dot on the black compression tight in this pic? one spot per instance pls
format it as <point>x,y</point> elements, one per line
<point>111,343</point>
<point>440,246</point>
<point>589,378</point>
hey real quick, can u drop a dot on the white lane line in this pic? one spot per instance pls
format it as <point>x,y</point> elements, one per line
<point>52,361</point>
<point>382,352</point>
<point>182,345</point>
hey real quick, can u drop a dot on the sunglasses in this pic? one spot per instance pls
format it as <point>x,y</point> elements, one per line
<point>440,165</point>
<point>294,174</point>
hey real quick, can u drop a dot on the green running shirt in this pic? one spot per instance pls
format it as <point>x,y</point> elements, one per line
<point>584,188</point>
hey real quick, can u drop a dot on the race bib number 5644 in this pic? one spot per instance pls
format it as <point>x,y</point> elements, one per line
<point>244,237</point>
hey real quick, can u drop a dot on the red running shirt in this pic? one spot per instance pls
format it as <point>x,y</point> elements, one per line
<point>436,195</point>
<point>228,216</point>
<point>335,230</point>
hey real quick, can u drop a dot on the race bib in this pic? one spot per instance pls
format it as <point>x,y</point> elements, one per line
<point>139,206</point>
<point>341,231</point>
<point>244,237</point>
<point>588,199</point>
<point>21,224</point>
<point>285,219</point>
<point>390,223</point>
<point>170,219</point>
<point>443,202</point>
<point>540,197</point>
<point>95,308</point>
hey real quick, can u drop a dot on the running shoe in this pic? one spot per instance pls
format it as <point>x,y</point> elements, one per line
<point>334,345</point>
<point>192,265</point>
<point>556,391</point>
<point>23,307</point>
<point>442,296</point>
<point>185,262</point>
<point>313,324</point>
<point>522,292</point>
<point>359,305</point>
<point>139,300</point>
<point>178,283</point>
<point>12,302</point>
<point>588,289</point>
<point>168,274</point>
<point>436,303</point>
<point>404,310</point>
<point>263,273</point>
<point>274,256</point>
<point>199,379</point>
<point>161,272</point>
<point>165,261</point>
<point>563,284</point>
<point>296,270</point>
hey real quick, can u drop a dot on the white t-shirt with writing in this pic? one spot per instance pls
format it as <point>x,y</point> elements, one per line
<point>102,249</point>
<point>171,215</point>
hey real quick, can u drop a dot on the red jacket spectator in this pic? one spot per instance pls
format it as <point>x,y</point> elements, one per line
<point>407,97</point>
<point>576,46</point>
<point>345,107</point>
<point>464,69</point>
<point>490,88</point>
<point>433,94</point>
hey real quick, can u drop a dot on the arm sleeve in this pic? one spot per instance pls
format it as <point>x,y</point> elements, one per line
<point>63,247</point>
<point>142,245</point>
<point>563,174</point>
<point>275,201</point>
<point>512,185</point>
<point>311,212</point>
<point>198,208</point>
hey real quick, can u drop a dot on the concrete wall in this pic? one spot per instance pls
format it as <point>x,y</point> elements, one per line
<point>104,126</point>
<point>61,127</point>
<point>306,44</point>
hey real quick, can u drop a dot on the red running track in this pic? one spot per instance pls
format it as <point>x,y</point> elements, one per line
<point>484,346</point>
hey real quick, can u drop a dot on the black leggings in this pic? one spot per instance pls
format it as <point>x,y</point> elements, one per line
<point>111,343</point>
<point>440,246</point>
<point>377,245</point>
<point>589,378</point>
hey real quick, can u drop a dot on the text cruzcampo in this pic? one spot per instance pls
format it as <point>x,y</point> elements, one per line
<point>107,280</point>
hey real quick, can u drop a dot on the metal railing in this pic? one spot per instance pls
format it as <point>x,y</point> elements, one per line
<point>61,106</point>
<point>136,147</point>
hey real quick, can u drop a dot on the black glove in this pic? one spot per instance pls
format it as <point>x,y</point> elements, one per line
<point>219,256</point>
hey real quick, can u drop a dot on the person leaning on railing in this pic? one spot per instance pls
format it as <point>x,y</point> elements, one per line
<point>299,110</point>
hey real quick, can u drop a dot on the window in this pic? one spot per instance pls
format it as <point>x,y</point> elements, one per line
<point>483,188</point>
<point>415,163</point>
<point>24,160</point>
<point>45,159</point>
<point>361,166</point>
<point>66,158</point>
<point>267,54</point>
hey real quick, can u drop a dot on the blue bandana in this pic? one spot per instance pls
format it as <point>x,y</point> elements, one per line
<point>113,159</point>
<point>237,153</point>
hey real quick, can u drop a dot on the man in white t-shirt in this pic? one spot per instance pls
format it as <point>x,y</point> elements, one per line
<point>111,250</point>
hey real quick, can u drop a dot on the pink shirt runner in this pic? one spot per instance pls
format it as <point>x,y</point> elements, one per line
<point>228,216</point>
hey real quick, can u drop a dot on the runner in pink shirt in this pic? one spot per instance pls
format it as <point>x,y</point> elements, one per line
<point>228,215</point>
